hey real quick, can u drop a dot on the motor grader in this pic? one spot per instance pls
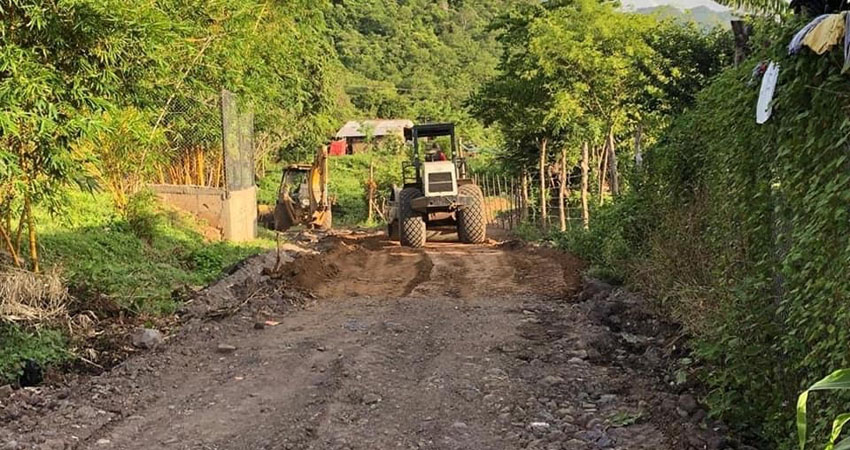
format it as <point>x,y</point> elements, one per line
<point>436,193</point>
<point>303,195</point>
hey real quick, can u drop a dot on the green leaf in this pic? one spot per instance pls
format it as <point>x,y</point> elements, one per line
<point>801,419</point>
<point>843,445</point>
<point>837,425</point>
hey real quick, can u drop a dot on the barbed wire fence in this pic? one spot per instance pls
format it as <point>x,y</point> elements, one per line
<point>510,203</point>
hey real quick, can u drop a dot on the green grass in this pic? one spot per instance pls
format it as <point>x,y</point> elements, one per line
<point>137,259</point>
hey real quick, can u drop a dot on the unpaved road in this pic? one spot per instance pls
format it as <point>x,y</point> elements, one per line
<point>451,347</point>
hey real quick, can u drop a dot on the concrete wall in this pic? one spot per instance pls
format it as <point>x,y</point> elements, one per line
<point>233,213</point>
<point>239,215</point>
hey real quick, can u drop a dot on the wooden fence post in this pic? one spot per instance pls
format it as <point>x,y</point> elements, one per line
<point>524,197</point>
<point>585,168</point>
<point>562,177</point>
<point>371,190</point>
<point>544,214</point>
<point>612,158</point>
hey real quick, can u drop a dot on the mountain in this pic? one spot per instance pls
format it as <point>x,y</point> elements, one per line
<point>678,4</point>
<point>703,15</point>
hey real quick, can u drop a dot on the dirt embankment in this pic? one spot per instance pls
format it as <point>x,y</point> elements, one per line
<point>449,347</point>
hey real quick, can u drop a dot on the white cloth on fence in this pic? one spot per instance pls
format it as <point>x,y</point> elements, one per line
<point>764,106</point>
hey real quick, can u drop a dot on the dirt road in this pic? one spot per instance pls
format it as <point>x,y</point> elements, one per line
<point>451,347</point>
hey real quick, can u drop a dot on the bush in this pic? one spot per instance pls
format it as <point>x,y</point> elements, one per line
<point>17,345</point>
<point>142,215</point>
<point>617,233</point>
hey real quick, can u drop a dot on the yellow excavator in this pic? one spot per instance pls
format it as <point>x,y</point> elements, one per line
<point>303,195</point>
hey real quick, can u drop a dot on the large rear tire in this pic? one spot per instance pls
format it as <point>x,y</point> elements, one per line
<point>411,223</point>
<point>471,223</point>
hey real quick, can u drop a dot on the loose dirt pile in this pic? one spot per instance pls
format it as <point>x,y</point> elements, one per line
<point>355,266</point>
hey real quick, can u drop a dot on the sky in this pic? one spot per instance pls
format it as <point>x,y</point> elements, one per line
<point>681,4</point>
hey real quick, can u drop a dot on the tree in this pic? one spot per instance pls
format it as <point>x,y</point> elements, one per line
<point>90,90</point>
<point>59,62</point>
<point>568,74</point>
<point>577,72</point>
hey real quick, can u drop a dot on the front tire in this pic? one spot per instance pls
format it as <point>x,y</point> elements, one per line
<point>471,222</point>
<point>411,223</point>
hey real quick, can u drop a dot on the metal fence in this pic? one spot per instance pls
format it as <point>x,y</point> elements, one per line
<point>209,141</point>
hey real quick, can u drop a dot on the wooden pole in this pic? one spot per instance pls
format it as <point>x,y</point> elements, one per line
<point>371,190</point>
<point>486,194</point>
<point>524,197</point>
<point>585,168</point>
<point>603,170</point>
<point>741,32</point>
<point>502,219</point>
<point>562,192</point>
<point>612,158</point>
<point>511,202</point>
<point>490,214</point>
<point>544,214</point>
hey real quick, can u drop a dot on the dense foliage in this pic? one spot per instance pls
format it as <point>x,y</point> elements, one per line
<point>86,85</point>
<point>741,230</point>
<point>418,59</point>
<point>579,71</point>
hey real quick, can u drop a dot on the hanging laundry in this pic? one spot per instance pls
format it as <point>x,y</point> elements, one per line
<point>764,106</point>
<point>758,72</point>
<point>797,41</point>
<point>846,43</point>
<point>826,34</point>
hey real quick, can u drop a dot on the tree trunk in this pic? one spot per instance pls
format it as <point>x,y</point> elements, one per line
<point>638,149</point>
<point>612,158</point>
<point>544,213</point>
<point>19,232</point>
<point>585,168</point>
<point>4,231</point>
<point>741,32</point>
<point>603,172</point>
<point>31,230</point>
<point>562,192</point>
<point>524,197</point>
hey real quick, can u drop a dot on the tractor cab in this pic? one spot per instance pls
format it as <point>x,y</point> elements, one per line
<point>437,190</point>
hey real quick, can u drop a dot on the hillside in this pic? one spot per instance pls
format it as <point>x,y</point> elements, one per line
<point>416,59</point>
<point>702,15</point>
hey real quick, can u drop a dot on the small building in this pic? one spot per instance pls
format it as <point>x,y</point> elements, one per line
<point>359,135</point>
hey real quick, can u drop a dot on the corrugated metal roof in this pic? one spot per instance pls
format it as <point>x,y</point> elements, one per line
<point>356,128</point>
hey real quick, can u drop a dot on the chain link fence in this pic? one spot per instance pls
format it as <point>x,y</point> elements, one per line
<point>210,142</point>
